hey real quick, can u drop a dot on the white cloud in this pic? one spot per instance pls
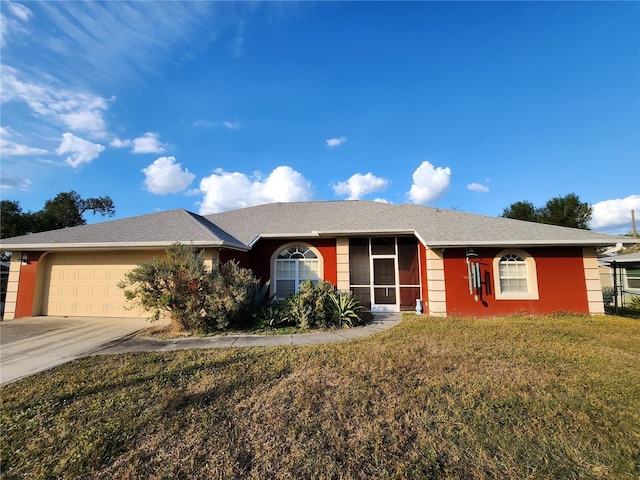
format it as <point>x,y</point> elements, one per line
<point>77,111</point>
<point>10,148</point>
<point>148,143</point>
<point>477,187</point>
<point>360,185</point>
<point>166,176</point>
<point>117,143</point>
<point>81,151</point>
<point>112,42</point>
<point>20,11</point>
<point>429,183</point>
<point>231,125</point>
<point>85,120</point>
<point>336,142</point>
<point>20,183</point>
<point>615,214</point>
<point>230,190</point>
<point>12,25</point>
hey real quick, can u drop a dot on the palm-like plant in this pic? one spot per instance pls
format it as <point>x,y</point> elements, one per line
<point>633,302</point>
<point>344,308</point>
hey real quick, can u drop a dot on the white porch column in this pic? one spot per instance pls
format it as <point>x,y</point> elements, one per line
<point>12,286</point>
<point>592,280</point>
<point>342,259</point>
<point>436,292</point>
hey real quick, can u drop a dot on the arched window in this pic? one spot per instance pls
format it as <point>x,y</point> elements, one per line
<point>515,276</point>
<point>294,265</point>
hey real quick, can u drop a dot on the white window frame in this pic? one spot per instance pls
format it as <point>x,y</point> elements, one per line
<point>626,277</point>
<point>274,260</point>
<point>532,277</point>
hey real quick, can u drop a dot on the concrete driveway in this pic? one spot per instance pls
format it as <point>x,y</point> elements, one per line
<point>32,344</point>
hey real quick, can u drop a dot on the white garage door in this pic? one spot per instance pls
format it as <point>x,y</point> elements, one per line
<point>86,284</point>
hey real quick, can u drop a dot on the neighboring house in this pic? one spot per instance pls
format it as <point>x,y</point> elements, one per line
<point>622,273</point>
<point>455,263</point>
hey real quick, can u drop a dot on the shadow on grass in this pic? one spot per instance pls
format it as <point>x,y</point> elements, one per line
<point>623,312</point>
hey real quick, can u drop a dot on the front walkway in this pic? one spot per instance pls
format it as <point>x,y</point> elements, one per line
<point>380,323</point>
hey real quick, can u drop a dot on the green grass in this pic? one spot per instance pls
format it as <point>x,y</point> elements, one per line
<point>517,397</point>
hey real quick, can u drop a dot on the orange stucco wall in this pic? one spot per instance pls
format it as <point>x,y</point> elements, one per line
<point>260,257</point>
<point>27,285</point>
<point>561,283</point>
<point>560,274</point>
<point>241,257</point>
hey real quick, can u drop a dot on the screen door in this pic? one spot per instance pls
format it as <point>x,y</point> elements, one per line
<point>384,284</point>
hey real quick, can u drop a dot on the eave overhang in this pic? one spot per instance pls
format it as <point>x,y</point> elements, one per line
<point>522,243</point>
<point>268,236</point>
<point>359,233</point>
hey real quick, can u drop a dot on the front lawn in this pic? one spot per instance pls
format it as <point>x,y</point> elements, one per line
<point>516,397</point>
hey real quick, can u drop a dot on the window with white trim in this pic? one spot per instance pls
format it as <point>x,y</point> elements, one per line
<point>515,276</point>
<point>294,265</point>
<point>632,278</point>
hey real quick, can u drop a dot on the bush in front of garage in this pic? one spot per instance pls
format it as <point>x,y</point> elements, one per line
<point>179,286</point>
<point>228,297</point>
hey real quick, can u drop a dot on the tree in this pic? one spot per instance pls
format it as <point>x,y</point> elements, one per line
<point>522,211</point>
<point>13,221</point>
<point>65,210</point>
<point>567,211</point>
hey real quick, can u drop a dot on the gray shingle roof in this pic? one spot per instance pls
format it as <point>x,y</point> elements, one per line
<point>301,219</point>
<point>443,228</point>
<point>152,230</point>
<point>239,228</point>
<point>625,258</point>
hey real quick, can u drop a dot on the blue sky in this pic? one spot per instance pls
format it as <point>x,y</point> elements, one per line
<point>211,106</point>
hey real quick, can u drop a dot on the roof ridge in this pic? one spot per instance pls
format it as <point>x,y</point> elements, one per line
<point>391,206</point>
<point>271,204</point>
<point>198,220</point>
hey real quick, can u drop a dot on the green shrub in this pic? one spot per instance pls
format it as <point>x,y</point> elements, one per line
<point>608,294</point>
<point>317,306</point>
<point>633,302</point>
<point>273,315</point>
<point>344,308</point>
<point>176,286</point>
<point>232,296</point>
<point>181,287</point>
<point>308,308</point>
